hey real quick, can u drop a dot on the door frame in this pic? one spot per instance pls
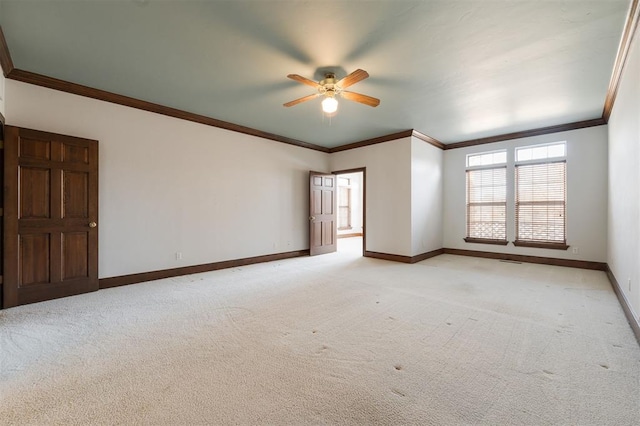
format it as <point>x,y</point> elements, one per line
<point>2,253</point>
<point>364,201</point>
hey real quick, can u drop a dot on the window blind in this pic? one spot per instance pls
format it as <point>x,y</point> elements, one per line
<point>541,202</point>
<point>487,204</point>
<point>344,207</point>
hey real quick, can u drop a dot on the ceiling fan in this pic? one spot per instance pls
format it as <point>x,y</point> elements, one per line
<point>330,87</point>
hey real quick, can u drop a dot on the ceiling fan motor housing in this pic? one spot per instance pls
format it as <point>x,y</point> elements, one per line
<point>328,86</point>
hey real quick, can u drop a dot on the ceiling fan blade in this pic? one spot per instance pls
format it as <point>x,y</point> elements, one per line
<point>304,80</point>
<point>363,99</point>
<point>300,100</point>
<point>353,78</point>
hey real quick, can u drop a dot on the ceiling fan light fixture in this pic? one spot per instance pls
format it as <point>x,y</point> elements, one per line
<point>329,87</point>
<point>329,105</point>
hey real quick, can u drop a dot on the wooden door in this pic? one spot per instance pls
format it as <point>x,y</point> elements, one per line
<point>322,217</point>
<point>51,216</point>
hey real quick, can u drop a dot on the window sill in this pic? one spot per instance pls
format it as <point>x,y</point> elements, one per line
<point>486,241</point>
<point>536,244</point>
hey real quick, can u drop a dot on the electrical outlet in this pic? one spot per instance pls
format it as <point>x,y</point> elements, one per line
<point>178,255</point>
<point>575,250</point>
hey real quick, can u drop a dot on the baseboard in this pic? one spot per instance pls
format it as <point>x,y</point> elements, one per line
<point>354,234</point>
<point>426,255</point>
<point>582,264</point>
<point>387,256</point>
<point>634,322</point>
<point>196,269</point>
<point>401,258</point>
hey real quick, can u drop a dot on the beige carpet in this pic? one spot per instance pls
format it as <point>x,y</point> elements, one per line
<point>335,339</point>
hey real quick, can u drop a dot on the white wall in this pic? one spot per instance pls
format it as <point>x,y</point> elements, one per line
<point>426,197</point>
<point>404,194</point>
<point>624,181</point>
<point>168,185</point>
<point>586,195</point>
<point>388,193</point>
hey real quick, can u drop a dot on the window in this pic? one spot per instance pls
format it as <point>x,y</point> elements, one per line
<point>487,198</point>
<point>540,186</point>
<point>344,203</point>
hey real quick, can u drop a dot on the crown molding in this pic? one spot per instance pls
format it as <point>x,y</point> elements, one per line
<point>103,95</point>
<point>388,138</point>
<point>373,141</point>
<point>527,133</point>
<point>5,56</point>
<point>630,27</point>
<point>428,139</point>
<point>13,73</point>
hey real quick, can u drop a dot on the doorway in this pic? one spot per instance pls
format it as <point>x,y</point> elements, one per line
<point>351,223</point>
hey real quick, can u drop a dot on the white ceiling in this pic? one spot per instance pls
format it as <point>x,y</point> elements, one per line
<point>454,70</point>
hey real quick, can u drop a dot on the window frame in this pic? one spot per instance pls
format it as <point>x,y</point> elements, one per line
<point>540,145</point>
<point>548,244</point>
<point>468,204</point>
<point>344,186</point>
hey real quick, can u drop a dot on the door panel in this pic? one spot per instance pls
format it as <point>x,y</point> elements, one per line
<point>75,188</point>
<point>316,202</point>
<point>51,208</point>
<point>327,201</point>
<point>327,233</point>
<point>74,248</point>
<point>72,153</point>
<point>35,201</point>
<point>35,149</point>
<point>34,259</point>
<point>322,218</point>
<point>316,232</point>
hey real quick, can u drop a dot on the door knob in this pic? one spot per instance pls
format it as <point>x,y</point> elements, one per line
<point>312,218</point>
<point>92,224</point>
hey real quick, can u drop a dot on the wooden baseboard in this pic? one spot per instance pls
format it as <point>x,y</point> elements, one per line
<point>387,256</point>
<point>401,258</point>
<point>582,264</point>
<point>196,269</point>
<point>354,234</point>
<point>626,305</point>
<point>426,255</point>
